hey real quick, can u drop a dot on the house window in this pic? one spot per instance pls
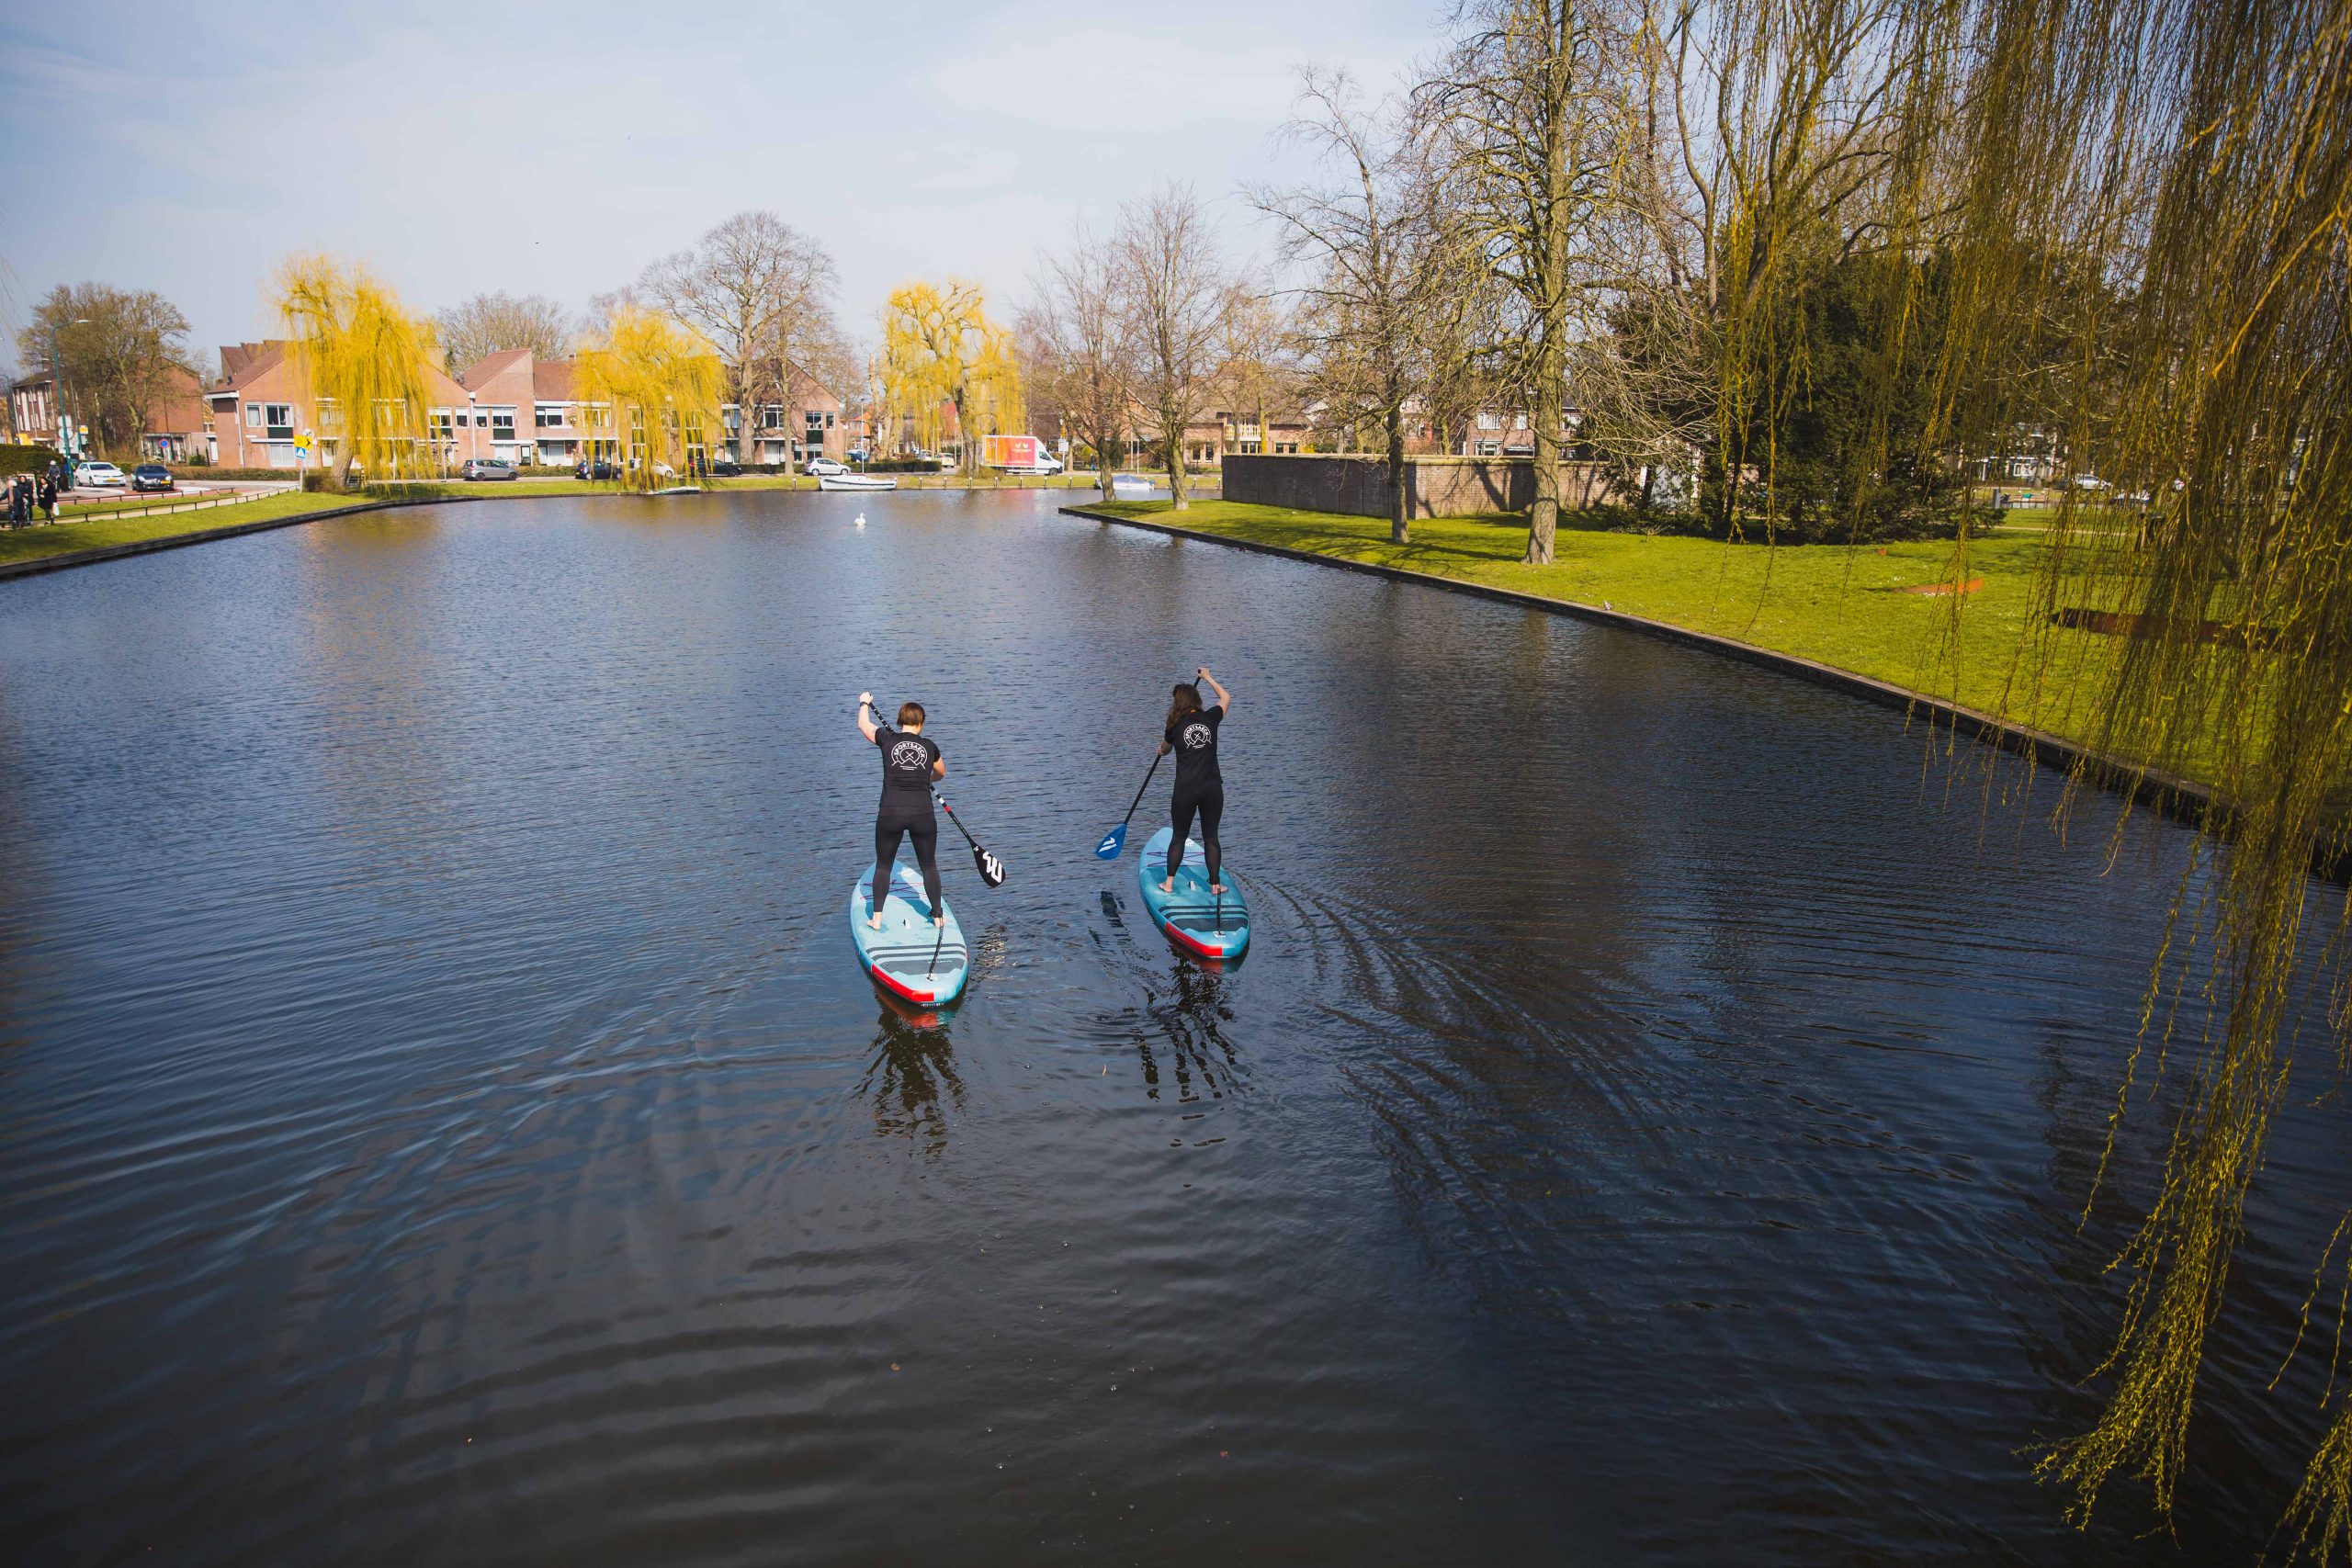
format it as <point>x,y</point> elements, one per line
<point>277,421</point>
<point>548,416</point>
<point>443,423</point>
<point>502,424</point>
<point>330,415</point>
<point>772,418</point>
<point>252,416</point>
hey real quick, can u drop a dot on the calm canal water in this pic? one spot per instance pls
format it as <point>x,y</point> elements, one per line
<point>445,1122</point>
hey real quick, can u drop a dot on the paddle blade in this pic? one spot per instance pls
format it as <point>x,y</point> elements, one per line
<point>1113,842</point>
<point>991,869</point>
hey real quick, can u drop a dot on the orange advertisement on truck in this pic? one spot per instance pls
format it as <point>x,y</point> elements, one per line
<point>1018,455</point>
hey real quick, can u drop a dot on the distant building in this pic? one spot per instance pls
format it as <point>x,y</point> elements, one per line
<point>524,411</point>
<point>180,425</point>
<point>261,405</point>
<point>807,424</point>
<point>32,408</point>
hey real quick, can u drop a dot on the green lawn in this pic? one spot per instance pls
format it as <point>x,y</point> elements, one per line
<point>1840,605</point>
<point>63,538</point>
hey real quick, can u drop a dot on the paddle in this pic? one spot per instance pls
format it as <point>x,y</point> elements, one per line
<point>991,869</point>
<point>1115,840</point>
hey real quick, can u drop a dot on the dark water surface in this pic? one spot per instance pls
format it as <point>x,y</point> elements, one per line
<point>444,1121</point>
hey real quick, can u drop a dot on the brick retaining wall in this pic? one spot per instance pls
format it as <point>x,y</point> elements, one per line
<point>1435,487</point>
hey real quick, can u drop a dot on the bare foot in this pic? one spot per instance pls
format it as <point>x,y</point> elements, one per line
<point>1169,886</point>
<point>1216,887</point>
<point>875,924</point>
<point>939,920</point>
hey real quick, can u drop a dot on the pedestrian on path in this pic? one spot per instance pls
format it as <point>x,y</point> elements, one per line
<point>48,499</point>
<point>21,502</point>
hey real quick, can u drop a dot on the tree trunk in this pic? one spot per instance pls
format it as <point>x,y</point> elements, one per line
<point>1171,429</point>
<point>1399,487</point>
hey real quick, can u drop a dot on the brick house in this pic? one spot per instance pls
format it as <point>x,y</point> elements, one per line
<point>525,412</point>
<point>260,405</point>
<point>807,424</point>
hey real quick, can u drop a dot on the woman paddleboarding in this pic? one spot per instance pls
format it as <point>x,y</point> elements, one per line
<point>1192,734</point>
<point>910,764</point>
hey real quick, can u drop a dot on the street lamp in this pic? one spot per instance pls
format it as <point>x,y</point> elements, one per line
<point>473,426</point>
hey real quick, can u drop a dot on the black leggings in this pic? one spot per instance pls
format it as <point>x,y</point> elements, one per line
<point>1209,801</point>
<point>917,822</point>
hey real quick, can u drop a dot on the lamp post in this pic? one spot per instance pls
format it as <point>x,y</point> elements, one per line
<point>473,427</point>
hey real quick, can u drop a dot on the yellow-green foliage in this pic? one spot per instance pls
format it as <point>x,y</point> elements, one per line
<point>653,387</point>
<point>365,362</point>
<point>938,346</point>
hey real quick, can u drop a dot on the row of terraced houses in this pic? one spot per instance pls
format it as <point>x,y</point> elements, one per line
<point>510,407</point>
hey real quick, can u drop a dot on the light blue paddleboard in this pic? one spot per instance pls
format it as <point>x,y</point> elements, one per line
<point>910,957</point>
<point>1202,924</point>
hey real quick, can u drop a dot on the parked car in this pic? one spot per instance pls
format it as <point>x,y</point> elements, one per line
<point>724,467</point>
<point>599,469</point>
<point>152,476</point>
<point>823,466</point>
<point>486,468</point>
<point>98,476</point>
<point>858,454</point>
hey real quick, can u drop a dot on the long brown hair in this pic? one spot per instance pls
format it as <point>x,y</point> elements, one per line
<point>1188,701</point>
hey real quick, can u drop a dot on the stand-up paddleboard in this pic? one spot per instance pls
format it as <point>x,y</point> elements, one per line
<point>909,957</point>
<point>1205,924</point>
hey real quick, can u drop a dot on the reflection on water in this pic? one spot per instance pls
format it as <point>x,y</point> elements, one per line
<point>446,1121</point>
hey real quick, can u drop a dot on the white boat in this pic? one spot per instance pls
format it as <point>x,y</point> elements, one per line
<point>677,490</point>
<point>1131,484</point>
<point>857,482</point>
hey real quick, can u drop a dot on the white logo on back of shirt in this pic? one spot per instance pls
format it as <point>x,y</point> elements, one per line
<point>1196,736</point>
<point>909,754</point>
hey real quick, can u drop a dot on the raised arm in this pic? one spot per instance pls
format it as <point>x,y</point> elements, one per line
<point>1224,697</point>
<point>864,723</point>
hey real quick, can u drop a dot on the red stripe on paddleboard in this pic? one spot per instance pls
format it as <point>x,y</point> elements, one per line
<point>914,995</point>
<point>1204,949</point>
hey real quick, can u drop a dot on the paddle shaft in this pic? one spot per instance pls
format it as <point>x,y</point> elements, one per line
<point>1139,789</point>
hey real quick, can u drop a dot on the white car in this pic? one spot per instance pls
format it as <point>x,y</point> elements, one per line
<point>823,466</point>
<point>99,475</point>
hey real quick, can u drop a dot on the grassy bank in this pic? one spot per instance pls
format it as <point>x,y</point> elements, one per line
<point>65,538</point>
<point>1838,606</point>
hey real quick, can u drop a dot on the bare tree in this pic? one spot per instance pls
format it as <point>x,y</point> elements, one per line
<point>1387,268</point>
<point>1258,350</point>
<point>1177,297</point>
<point>489,322</point>
<point>1532,104</point>
<point>1077,332</point>
<point>117,353</point>
<point>759,290</point>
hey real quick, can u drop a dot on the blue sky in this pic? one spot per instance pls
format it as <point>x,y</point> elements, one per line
<point>187,149</point>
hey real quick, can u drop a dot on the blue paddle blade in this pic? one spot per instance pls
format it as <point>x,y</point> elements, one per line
<point>1113,842</point>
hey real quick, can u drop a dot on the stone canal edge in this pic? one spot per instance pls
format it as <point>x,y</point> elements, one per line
<point>2183,800</point>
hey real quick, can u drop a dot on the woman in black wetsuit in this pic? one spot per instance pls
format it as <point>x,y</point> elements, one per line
<point>1192,735</point>
<point>910,763</point>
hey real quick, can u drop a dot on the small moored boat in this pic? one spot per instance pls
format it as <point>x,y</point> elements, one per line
<point>857,482</point>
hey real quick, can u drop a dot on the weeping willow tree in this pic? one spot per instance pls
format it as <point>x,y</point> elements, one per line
<point>649,388</point>
<point>364,363</point>
<point>2143,217</point>
<point>2206,152</point>
<point>940,351</point>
